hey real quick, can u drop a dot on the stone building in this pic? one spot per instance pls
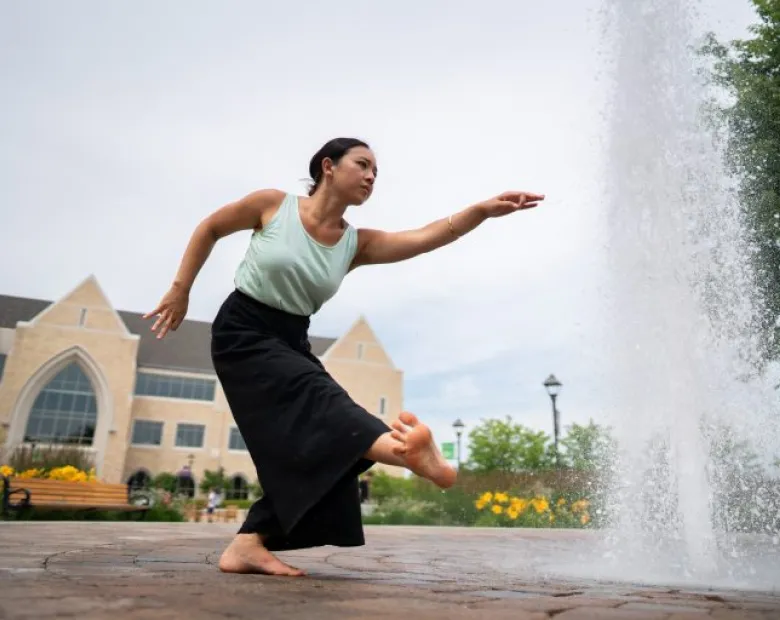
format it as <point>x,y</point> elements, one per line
<point>78,371</point>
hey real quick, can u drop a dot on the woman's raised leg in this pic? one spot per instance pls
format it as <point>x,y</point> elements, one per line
<point>411,445</point>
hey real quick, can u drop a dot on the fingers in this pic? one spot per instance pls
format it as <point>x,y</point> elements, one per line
<point>162,318</point>
<point>520,197</point>
<point>157,310</point>
<point>168,320</point>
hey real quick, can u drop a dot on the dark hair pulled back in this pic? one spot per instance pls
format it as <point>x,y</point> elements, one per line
<point>334,150</point>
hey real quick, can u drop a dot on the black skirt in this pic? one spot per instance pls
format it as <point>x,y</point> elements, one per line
<point>306,436</point>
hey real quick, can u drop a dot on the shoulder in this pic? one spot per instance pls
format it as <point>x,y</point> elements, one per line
<point>265,204</point>
<point>265,198</point>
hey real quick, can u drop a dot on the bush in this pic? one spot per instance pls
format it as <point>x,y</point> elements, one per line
<point>241,504</point>
<point>157,513</point>
<point>530,503</point>
<point>46,458</point>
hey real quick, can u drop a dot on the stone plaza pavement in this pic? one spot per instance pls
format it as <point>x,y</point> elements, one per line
<point>154,571</point>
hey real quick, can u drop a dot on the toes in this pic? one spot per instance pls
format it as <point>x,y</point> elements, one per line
<point>397,436</point>
<point>408,418</point>
<point>400,426</point>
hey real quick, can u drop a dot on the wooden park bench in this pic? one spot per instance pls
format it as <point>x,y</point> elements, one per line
<point>34,493</point>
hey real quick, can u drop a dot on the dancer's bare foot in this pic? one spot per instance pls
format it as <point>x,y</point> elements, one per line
<point>419,451</point>
<point>246,554</point>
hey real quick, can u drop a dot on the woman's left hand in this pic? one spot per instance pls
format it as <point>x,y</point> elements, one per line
<point>509,202</point>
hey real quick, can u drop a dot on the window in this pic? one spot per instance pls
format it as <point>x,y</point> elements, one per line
<point>382,405</point>
<point>82,317</point>
<point>238,489</point>
<point>2,364</point>
<point>147,433</point>
<point>360,351</point>
<point>65,410</point>
<point>236,441</point>
<point>150,384</point>
<point>190,435</point>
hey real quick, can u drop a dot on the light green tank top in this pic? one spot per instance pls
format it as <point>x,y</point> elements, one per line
<point>284,267</point>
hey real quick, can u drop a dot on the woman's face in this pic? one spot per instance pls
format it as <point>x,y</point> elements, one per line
<point>354,175</point>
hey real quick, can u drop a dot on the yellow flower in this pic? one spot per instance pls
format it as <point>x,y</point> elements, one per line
<point>31,473</point>
<point>68,473</point>
<point>501,498</point>
<point>6,470</point>
<point>584,518</point>
<point>580,505</point>
<point>540,504</point>
<point>480,504</point>
<point>561,501</point>
<point>497,509</point>
<point>512,513</point>
<point>519,504</point>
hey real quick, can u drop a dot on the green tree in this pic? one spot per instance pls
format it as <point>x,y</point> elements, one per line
<point>165,481</point>
<point>214,480</point>
<point>505,446</point>
<point>749,71</point>
<point>588,447</point>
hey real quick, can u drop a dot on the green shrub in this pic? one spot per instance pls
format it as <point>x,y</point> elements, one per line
<point>241,504</point>
<point>157,513</point>
<point>26,457</point>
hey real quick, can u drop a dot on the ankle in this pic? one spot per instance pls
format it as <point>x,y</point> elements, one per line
<point>248,540</point>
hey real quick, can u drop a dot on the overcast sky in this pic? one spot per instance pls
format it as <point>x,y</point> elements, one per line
<point>124,124</point>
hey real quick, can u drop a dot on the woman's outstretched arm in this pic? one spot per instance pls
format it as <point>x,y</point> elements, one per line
<point>378,246</point>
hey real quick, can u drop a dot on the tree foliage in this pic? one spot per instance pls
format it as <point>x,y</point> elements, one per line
<point>588,447</point>
<point>505,446</point>
<point>749,71</point>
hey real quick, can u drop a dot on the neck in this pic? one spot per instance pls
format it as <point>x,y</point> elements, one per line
<point>326,208</point>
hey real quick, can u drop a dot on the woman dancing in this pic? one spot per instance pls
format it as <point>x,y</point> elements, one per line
<point>307,438</point>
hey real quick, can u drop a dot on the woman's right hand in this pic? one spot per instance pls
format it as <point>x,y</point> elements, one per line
<point>171,310</point>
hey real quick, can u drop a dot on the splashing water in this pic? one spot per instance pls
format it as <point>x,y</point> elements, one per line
<point>682,315</point>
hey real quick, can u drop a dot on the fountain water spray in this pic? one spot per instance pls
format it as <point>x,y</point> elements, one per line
<point>684,348</point>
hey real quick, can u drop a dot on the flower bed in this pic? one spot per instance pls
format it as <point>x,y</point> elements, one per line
<point>502,509</point>
<point>66,473</point>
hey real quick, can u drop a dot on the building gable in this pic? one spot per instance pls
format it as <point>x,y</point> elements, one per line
<point>359,344</point>
<point>86,307</point>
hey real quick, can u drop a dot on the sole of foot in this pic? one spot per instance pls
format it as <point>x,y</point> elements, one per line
<point>249,557</point>
<point>419,451</point>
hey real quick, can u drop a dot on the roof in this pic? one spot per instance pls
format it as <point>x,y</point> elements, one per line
<point>186,349</point>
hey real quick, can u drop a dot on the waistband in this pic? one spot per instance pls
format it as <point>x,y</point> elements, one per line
<point>244,309</point>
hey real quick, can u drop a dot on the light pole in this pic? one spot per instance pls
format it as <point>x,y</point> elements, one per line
<point>458,426</point>
<point>553,387</point>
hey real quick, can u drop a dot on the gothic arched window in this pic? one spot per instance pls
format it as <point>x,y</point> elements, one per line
<point>65,410</point>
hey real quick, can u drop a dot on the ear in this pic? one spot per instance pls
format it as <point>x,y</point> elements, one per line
<point>327,166</point>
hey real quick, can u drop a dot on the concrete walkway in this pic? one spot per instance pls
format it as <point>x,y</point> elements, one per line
<point>124,571</point>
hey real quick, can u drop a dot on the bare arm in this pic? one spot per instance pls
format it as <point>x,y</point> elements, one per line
<point>250,212</point>
<point>377,246</point>
<point>243,214</point>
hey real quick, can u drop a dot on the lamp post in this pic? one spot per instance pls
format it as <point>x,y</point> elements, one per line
<point>458,426</point>
<point>553,387</point>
